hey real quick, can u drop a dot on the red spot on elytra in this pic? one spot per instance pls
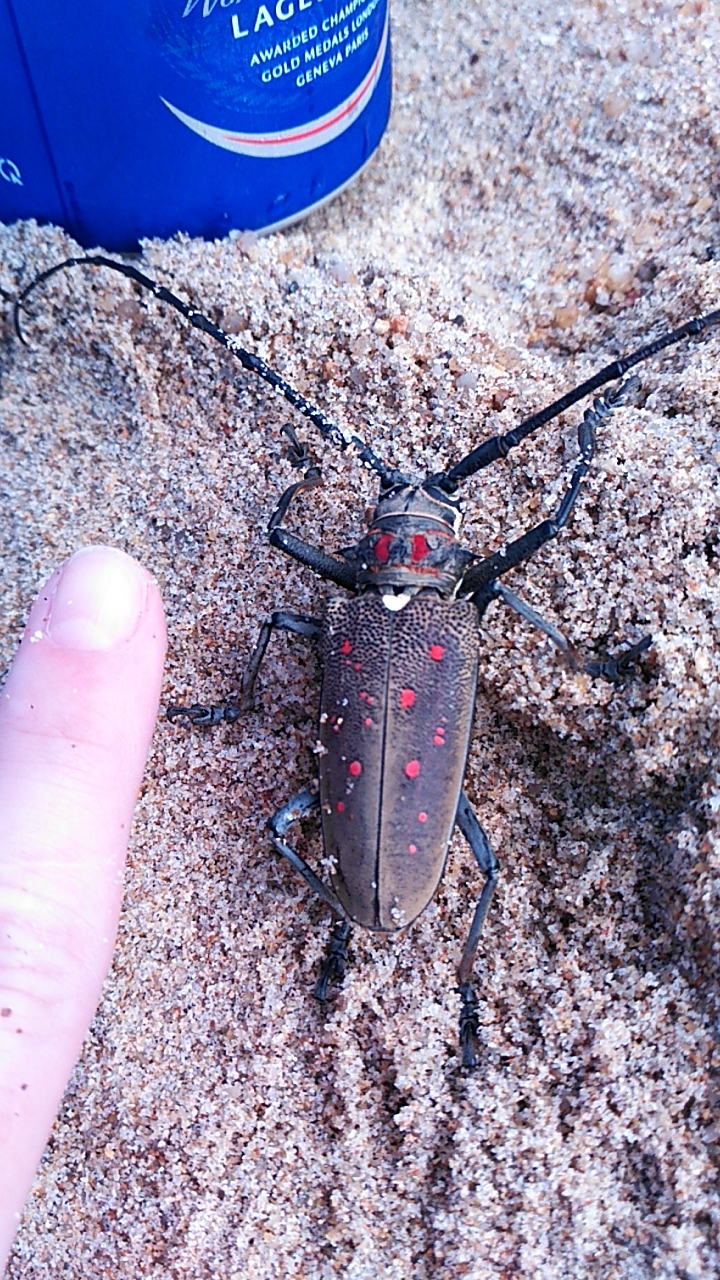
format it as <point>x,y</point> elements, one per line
<point>368,720</point>
<point>438,741</point>
<point>357,666</point>
<point>382,548</point>
<point>355,768</point>
<point>422,817</point>
<point>407,698</point>
<point>420,548</point>
<point>437,652</point>
<point>346,647</point>
<point>340,806</point>
<point>412,848</point>
<point>412,768</point>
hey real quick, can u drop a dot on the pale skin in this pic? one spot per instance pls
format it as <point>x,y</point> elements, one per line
<point>77,712</point>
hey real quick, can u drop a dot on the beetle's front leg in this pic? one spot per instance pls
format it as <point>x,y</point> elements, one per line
<point>522,548</point>
<point>466,820</point>
<point>320,562</point>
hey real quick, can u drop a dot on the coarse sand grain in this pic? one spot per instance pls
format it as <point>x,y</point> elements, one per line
<point>545,199</point>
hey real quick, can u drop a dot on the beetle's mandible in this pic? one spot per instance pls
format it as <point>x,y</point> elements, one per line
<point>399,661</point>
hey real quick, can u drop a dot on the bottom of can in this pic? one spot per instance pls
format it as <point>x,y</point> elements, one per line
<point>311,208</point>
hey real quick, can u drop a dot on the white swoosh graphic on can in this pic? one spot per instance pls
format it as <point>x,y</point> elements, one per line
<point>304,137</point>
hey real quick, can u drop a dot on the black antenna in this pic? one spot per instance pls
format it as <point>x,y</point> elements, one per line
<point>499,446</point>
<point>328,429</point>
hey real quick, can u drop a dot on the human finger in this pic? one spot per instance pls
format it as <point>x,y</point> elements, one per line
<point>77,713</point>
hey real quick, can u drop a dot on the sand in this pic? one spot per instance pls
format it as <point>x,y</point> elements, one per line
<point>550,175</point>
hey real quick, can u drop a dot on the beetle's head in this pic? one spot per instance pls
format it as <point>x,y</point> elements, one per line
<point>422,502</point>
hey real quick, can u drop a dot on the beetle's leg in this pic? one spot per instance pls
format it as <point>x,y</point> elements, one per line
<point>202,716</point>
<point>499,591</point>
<point>623,665</point>
<point>299,807</point>
<point>319,561</point>
<point>524,547</point>
<point>466,820</point>
<point>499,446</point>
<point>299,454</point>
<point>609,668</point>
<point>336,960</point>
<point>300,623</point>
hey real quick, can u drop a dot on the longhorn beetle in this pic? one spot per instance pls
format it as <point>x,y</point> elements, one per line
<point>400,662</point>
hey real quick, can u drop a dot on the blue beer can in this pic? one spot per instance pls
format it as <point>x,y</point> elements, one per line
<point>149,117</point>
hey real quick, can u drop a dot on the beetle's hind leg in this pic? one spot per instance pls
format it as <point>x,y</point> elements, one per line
<point>334,967</point>
<point>466,820</point>
<point>299,807</point>
<point>333,970</point>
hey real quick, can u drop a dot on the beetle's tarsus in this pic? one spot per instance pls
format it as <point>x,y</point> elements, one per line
<point>623,665</point>
<point>469,1026</point>
<point>333,971</point>
<point>201,716</point>
<point>298,454</point>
